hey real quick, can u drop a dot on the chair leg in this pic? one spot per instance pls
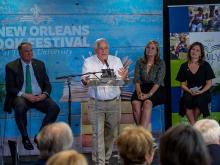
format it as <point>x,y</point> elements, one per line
<point>14,152</point>
<point>161,111</point>
<point>4,135</point>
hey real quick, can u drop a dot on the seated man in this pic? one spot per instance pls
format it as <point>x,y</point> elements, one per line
<point>52,139</point>
<point>28,86</point>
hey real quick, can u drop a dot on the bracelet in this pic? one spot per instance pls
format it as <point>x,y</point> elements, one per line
<point>150,94</point>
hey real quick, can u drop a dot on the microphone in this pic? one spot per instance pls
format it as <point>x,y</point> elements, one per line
<point>110,72</point>
<point>106,63</point>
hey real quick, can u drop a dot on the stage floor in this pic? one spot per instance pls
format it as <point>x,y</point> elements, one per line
<point>30,160</point>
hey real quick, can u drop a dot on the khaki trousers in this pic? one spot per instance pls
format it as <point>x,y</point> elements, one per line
<point>104,117</point>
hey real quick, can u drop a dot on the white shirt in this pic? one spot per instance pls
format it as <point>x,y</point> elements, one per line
<point>93,64</point>
<point>36,90</point>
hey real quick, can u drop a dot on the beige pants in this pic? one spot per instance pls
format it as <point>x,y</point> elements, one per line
<point>105,117</point>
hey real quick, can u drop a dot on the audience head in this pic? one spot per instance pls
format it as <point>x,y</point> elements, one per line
<point>68,157</point>
<point>183,145</point>
<point>152,49</point>
<point>102,49</point>
<point>54,138</point>
<point>197,46</point>
<point>135,145</point>
<point>209,129</point>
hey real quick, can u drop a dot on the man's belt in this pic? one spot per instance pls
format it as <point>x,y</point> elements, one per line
<point>105,100</point>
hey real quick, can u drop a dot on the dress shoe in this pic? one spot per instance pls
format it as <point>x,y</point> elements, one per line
<point>27,144</point>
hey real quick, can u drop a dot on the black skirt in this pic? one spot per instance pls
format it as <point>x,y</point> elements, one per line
<point>159,97</point>
<point>187,101</point>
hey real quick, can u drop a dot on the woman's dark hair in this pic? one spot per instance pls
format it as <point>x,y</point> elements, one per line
<point>183,145</point>
<point>202,57</point>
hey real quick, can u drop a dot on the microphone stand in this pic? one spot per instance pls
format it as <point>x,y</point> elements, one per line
<point>69,101</point>
<point>68,80</point>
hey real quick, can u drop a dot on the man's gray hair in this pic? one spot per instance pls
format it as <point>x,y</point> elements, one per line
<point>54,138</point>
<point>209,129</point>
<point>97,42</point>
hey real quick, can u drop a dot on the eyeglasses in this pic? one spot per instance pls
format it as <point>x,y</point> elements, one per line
<point>106,48</point>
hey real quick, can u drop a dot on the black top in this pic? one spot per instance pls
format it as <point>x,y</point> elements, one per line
<point>155,75</point>
<point>199,78</point>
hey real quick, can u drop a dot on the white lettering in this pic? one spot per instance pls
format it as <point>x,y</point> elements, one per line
<point>9,31</point>
<point>59,30</point>
<point>76,30</point>
<point>20,31</point>
<point>47,43</point>
<point>9,43</point>
<point>85,30</point>
<point>67,31</point>
<point>34,31</point>
<point>77,42</point>
<point>84,42</point>
<point>2,31</point>
<point>1,44</point>
<point>50,31</point>
<point>43,31</point>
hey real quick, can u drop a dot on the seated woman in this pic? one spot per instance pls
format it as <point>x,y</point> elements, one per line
<point>135,146</point>
<point>195,78</point>
<point>197,21</point>
<point>149,81</point>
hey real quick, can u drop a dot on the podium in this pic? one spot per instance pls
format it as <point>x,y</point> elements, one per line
<point>104,114</point>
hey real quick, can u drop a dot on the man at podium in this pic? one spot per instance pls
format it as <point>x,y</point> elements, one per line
<point>105,123</point>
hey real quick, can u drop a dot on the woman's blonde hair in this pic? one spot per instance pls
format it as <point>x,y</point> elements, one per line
<point>134,144</point>
<point>157,57</point>
<point>68,157</point>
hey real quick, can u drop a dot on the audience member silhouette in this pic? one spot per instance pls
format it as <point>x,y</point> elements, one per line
<point>52,139</point>
<point>135,145</point>
<point>183,145</point>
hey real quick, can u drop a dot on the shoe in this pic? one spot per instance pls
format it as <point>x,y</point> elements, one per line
<point>27,144</point>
